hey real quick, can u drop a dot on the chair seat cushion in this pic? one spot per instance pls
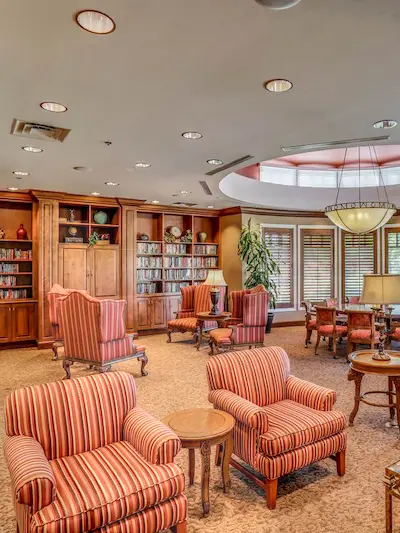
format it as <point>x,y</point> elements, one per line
<point>312,324</point>
<point>221,335</point>
<point>183,323</point>
<point>360,335</point>
<point>101,486</point>
<point>327,329</point>
<point>292,425</point>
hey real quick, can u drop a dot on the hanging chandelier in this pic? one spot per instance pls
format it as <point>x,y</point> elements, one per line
<point>363,216</point>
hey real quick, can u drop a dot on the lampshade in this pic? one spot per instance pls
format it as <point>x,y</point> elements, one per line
<point>360,217</point>
<point>215,278</point>
<point>381,289</point>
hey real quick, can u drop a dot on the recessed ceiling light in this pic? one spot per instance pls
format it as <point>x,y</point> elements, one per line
<point>185,192</point>
<point>13,188</point>
<point>155,201</point>
<point>278,85</point>
<point>32,149</point>
<point>210,207</point>
<point>112,183</point>
<point>95,22</point>
<point>53,107</point>
<point>214,162</point>
<point>20,173</point>
<point>277,5</point>
<point>95,193</point>
<point>385,124</point>
<point>142,164</point>
<point>192,135</point>
<point>83,169</point>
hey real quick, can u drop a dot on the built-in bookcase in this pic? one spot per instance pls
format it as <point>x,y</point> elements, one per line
<point>77,222</point>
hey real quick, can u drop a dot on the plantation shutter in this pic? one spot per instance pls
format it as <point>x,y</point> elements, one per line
<point>358,259</point>
<point>280,244</point>
<point>392,240</point>
<point>317,248</point>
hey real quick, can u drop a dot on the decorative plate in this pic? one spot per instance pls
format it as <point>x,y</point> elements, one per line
<point>176,232</point>
<point>72,230</point>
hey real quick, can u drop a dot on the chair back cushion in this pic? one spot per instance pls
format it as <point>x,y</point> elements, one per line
<point>257,289</point>
<point>331,302</point>
<point>360,319</point>
<point>187,298</point>
<point>72,416</point>
<point>55,292</point>
<point>255,309</point>
<point>202,299</point>
<point>237,303</point>
<point>258,375</point>
<point>326,315</point>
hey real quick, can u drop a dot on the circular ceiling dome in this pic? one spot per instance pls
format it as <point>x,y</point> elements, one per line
<point>277,4</point>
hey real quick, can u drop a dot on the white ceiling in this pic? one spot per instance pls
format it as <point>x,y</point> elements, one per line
<point>179,65</point>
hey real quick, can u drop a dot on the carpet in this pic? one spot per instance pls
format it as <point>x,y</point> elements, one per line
<point>312,500</point>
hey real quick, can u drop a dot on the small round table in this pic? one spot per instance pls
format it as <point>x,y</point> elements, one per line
<point>202,428</point>
<point>361,363</point>
<point>206,316</point>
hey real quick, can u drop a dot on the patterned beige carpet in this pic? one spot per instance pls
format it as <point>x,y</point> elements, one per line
<point>313,500</point>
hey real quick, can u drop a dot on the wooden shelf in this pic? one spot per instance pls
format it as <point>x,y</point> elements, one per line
<point>149,255</point>
<point>15,260</point>
<point>205,255</point>
<point>178,255</point>
<point>4,301</point>
<point>73,223</point>
<point>15,240</point>
<point>15,286</point>
<point>179,268</point>
<point>106,226</point>
<point>206,243</point>
<point>148,280</point>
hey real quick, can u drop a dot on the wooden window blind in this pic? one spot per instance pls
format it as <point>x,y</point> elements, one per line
<point>280,243</point>
<point>317,264</point>
<point>358,258</point>
<point>392,250</point>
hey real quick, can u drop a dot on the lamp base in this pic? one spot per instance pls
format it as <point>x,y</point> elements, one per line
<point>381,356</point>
<point>214,294</point>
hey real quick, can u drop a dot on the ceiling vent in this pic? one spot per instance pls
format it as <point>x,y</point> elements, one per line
<point>334,144</point>
<point>206,188</point>
<point>32,130</point>
<point>183,204</point>
<point>234,163</point>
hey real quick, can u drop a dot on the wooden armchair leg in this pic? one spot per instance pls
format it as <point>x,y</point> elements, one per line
<point>308,338</point>
<point>341,463</point>
<point>271,492</point>
<point>317,344</point>
<point>168,332</point>
<point>67,367</point>
<point>144,360</point>
<point>180,528</point>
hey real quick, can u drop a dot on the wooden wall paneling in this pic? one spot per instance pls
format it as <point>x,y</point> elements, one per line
<point>128,264</point>
<point>105,271</point>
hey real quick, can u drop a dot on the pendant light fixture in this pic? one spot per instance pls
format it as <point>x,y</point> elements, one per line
<point>363,216</point>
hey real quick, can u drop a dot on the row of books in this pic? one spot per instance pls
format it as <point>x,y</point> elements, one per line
<point>205,262</point>
<point>176,249</point>
<point>10,294</point>
<point>146,288</point>
<point>149,262</point>
<point>9,269</point>
<point>206,249</point>
<point>175,287</point>
<point>200,274</point>
<point>149,275</point>
<point>14,253</point>
<point>9,281</point>
<point>148,248</point>
<point>185,262</point>
<point>178,274</point>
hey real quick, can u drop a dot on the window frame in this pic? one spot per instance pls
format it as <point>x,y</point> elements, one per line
<point>394,228</point>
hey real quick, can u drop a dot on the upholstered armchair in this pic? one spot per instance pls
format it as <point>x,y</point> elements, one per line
<point>251,311</point>
<point>327,327</point>
<point>282,422</point>
<point>83,457</point>
<point>195,299</point>
<point>361,329</point>
<point>94,333</point>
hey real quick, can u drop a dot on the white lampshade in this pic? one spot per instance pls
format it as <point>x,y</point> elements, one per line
<point>215,278</point>
<point>359,217</point>
<point>381,289</point>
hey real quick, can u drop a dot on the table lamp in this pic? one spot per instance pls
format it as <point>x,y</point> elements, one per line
<point>216,279</point>
<point>380,290</point>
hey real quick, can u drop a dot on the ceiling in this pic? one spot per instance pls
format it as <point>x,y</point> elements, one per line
<point>186,65</point>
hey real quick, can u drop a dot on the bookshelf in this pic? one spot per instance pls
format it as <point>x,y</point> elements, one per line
<point>77,222</point>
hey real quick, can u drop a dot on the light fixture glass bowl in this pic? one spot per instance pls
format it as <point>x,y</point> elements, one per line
<point>95,22</point>
<point>360,217</point>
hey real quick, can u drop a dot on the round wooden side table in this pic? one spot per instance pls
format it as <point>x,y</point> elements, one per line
<point>202,428</point>
<point>361,363</point>
<point>206,316</point>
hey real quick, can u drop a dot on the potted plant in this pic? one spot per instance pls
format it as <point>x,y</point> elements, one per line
<point>260,265</point>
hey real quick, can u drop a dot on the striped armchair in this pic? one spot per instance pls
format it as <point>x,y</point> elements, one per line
<point>94,333</point>
<point>282,423</point>
<point>247,327</point>
<point>195,299</point>
<point>82,457</point>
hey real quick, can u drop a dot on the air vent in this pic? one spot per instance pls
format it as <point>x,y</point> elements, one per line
<point>206,188</point>
<point>229,165</point>
<point>32,130</point>
<point>183,204</point>
<point>330,144</point>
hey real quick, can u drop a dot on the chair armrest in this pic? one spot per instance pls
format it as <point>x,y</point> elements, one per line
<point>151,438</point>
<point>309,394</point>
<point>31,474</point>
<point>242,410</point>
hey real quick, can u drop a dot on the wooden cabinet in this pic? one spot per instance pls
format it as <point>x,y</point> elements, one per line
<point>17,322</point>
<point>73,267</point>
<point>172,306</point>
<point>151,312</point>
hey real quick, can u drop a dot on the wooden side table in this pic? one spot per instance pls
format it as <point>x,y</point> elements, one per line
<point>392,488</point>
<point>361,363</point>
<point>202,428</point>
<point>206,316</point>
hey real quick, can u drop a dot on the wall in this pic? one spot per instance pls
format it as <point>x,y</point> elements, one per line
<point>231,227</point>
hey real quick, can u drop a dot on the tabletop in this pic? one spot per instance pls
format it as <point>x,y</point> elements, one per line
<point>199,424</point>
<point>207,315</point>
<point>362,361</point>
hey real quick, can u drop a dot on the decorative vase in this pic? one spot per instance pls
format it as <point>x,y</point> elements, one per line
<point>21,233</point>
<point>144,237</point>
<point>100,217</point>
<point>71,217</point>
<point>202,235</point>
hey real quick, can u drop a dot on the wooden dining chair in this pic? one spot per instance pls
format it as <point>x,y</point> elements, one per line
<point>361,329</point>
<point>328,328</point>
<point>310,321</point>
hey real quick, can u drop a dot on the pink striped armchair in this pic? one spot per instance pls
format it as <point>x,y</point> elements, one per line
<point>94,333</point>
<point>248,322</point>
<point>83,457</point>
<point>195,299</point>
<point>282,422</point>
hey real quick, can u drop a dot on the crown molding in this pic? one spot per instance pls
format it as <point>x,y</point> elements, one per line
<point>170,209</point>
<point>271,212</point>
<point>16,196</point>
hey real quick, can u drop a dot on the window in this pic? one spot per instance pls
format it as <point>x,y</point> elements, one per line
<point>392,242</point>
<point>280,243</point>
<point>279,175</point>
<point>359,258</point>
<point>317,264</point>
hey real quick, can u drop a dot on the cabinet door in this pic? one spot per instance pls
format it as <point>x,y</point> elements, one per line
<point>172,306</point>
<point>158,313</point>
<point>144,306</point>
<point>73,268</point>
<point>105,274</point>
<point>23,322</point>
<point>5,323</point>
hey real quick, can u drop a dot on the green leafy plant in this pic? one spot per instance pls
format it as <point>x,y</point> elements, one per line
<point>260,265</point>
<point>93,239</point>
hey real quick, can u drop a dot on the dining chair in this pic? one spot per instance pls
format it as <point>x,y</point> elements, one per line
<point>310,321</point>
<point>328,328</point>
<point>361,329</point>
